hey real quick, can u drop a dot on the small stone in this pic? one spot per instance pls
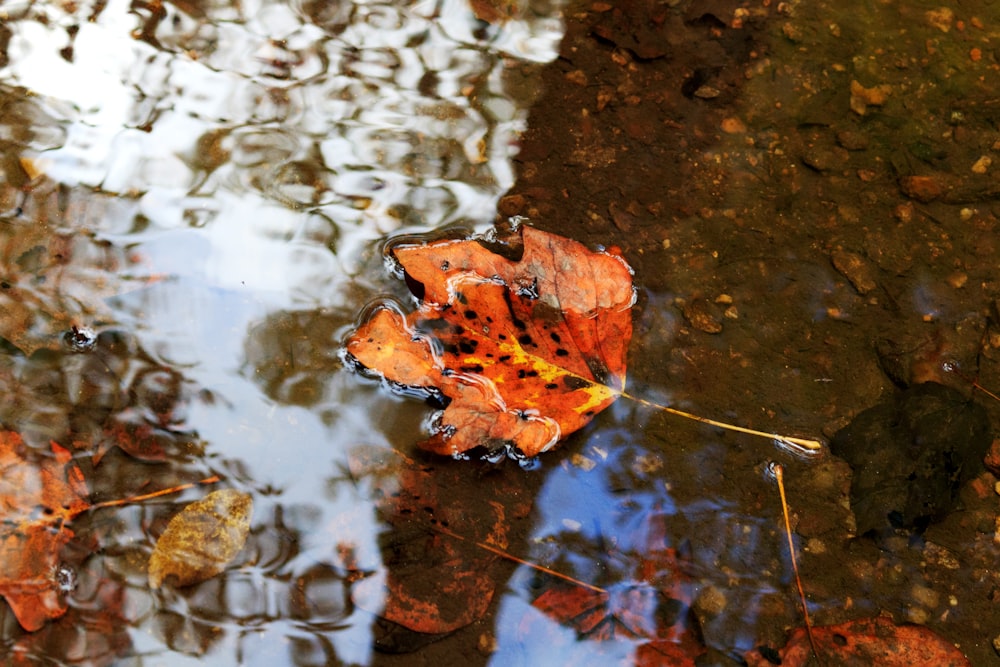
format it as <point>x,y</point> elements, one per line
<point>815,546</point>
<point>707,92</point>
<point>958,279</point>
<point>925,596</point>
<point>918,615</point>
<point>487,643</point>
<point>733,126</point>
<point>992,459</point>
<point>862,98</point>
<point>698,315</point>
<point>922,188</point>
<point>852,141</point>
<point>511,205</point>
<point>711,601</point>
<point>856,269</point>
<point>941,18</point>
<point>582,462</point>
<point>903,212</point>
<point>824,158</point>
<point>981,165</point>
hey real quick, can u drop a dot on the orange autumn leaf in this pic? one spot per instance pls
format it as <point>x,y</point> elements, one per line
<point>523,351</point>
<point>37,500</point>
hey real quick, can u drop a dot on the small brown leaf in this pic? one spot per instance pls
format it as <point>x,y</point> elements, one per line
<point>201,541</point>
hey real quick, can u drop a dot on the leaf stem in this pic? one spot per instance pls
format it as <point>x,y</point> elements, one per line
<point>779,475</point>
<point>803,445</point>
<point>510,557</point>
<point>154,494</point>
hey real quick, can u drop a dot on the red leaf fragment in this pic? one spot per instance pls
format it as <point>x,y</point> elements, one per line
<point>37,500</point>
<point>435,583</point>
<point>867,641</point>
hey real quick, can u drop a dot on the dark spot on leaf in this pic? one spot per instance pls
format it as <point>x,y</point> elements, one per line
<point>561,352</point>
<point>461,298</point>
<point>839,639</point>
<point>467,347</point>
<point>575,382</point>
<point>518,323</point>
<point>472,369</point>
<point>555,337</point>
<point>470,315</point>
<point>551,385</point>
<point>504,358</point>
<point>525,339</point>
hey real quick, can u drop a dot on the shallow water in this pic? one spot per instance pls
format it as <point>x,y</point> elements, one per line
<point>224,175</point>
<point>207,187</point>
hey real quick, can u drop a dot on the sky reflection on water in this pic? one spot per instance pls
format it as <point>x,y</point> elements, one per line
<point>251,157</point>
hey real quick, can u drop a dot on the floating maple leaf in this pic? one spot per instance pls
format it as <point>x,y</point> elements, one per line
<point>524,351</point>
<point>38,499</point>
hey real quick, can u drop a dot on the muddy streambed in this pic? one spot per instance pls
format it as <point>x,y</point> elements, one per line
<point>806,192</point>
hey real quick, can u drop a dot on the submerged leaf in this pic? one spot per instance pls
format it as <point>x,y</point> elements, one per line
<point>202,540</point>
<point>37,499</point>
<point>524,351</point>
<point>862,642</point>
<point>438,578</point>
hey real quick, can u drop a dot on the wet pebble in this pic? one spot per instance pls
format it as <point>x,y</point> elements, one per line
<point>918,615</point>
<point>924,596</point>
<point>710,602</point>
<point>992,460</point>
<point>856,269</point>
<point>924,189</point>
<point>852,141</point>
<point>862,97</point>
<point>824,158</point>
<point>698,314</point>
